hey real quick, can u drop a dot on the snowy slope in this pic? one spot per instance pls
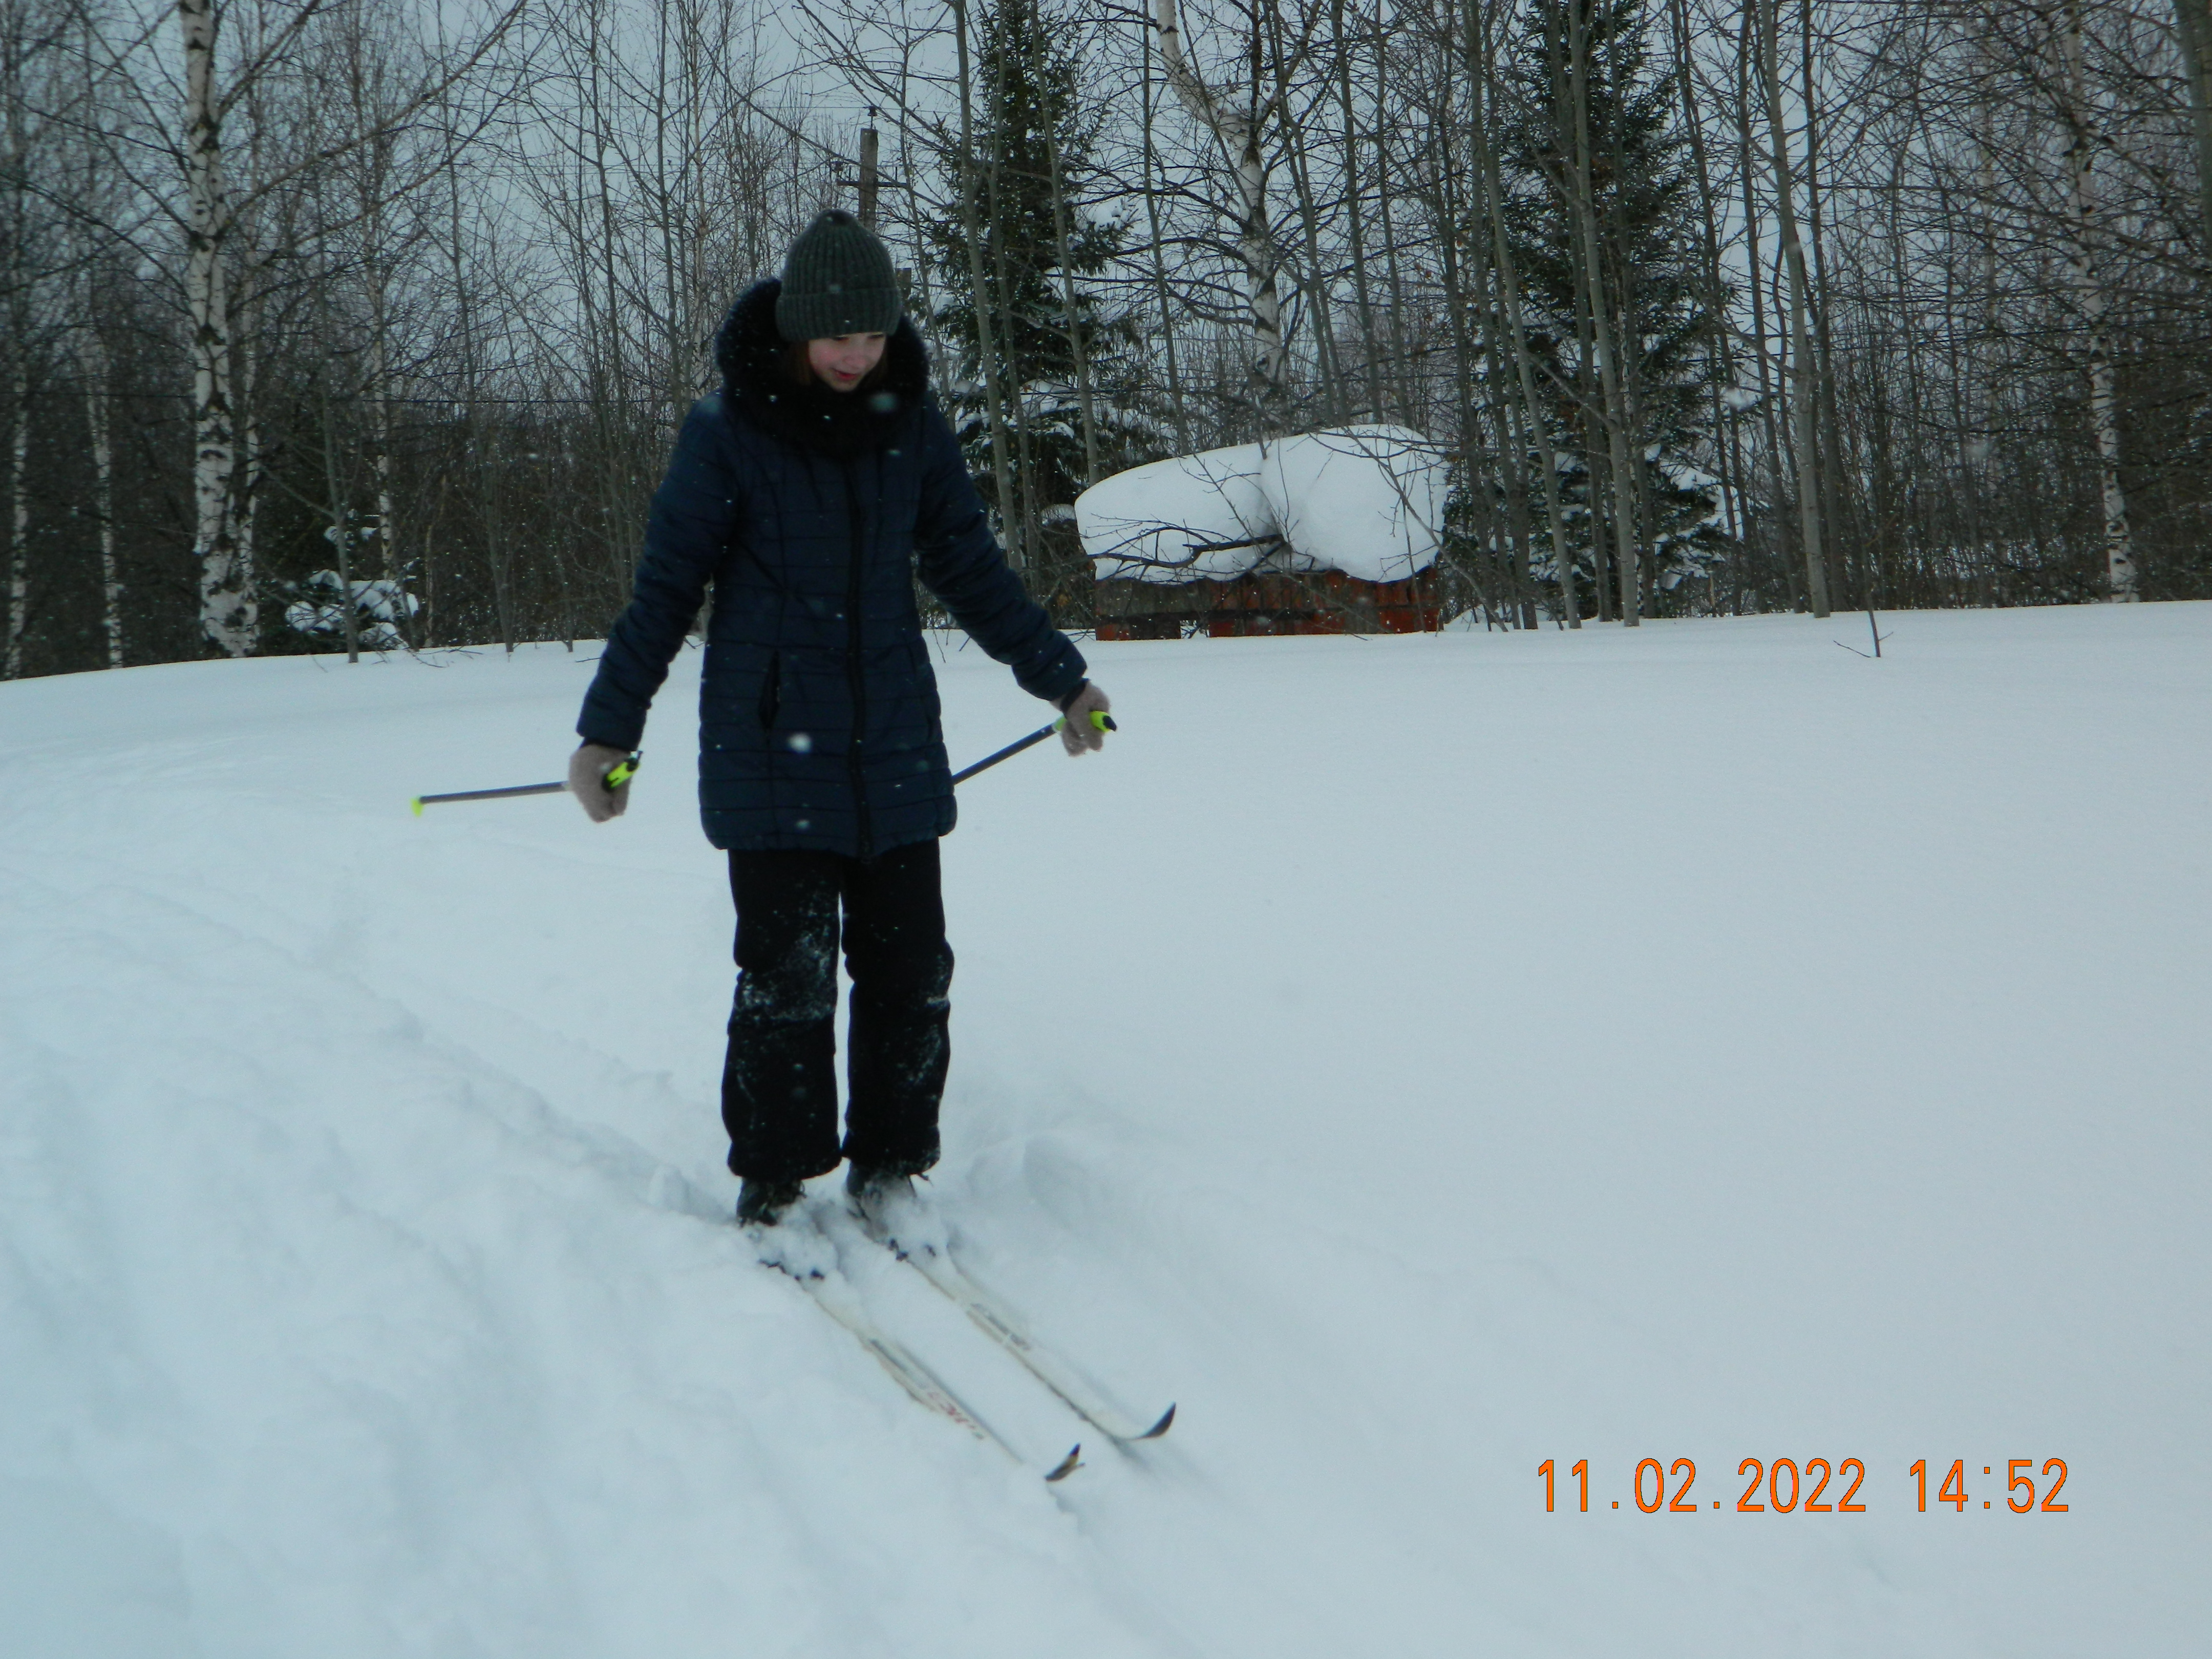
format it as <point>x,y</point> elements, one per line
<point>1459,1052</point>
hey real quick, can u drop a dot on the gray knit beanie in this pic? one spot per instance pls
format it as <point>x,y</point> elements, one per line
<point>836,280</point>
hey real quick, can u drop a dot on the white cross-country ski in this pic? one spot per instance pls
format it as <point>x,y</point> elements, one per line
<point>1011,1331</point>
<point>829,1292</point>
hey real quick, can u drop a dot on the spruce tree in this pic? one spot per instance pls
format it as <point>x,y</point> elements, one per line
<point>1030,126</point>
<point>1653,285</point>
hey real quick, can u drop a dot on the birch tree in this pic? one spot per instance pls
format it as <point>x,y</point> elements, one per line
<point>1242,132</point>
<point>2081,145</point>
<point>1950,264</point>
<point>214,87</point>
<point>1803,369</point>
<point>28,35</point>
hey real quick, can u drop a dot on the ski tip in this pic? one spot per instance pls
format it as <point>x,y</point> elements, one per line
<point>1068,1465</point>
<point>1166,1422</point>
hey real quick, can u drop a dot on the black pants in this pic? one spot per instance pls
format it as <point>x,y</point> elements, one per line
<point>779,1082</point>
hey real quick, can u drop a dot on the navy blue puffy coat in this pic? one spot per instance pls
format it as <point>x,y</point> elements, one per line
<point>809,511</point>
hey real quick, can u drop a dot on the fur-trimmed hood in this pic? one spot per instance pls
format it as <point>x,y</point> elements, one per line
<point>749,352</point>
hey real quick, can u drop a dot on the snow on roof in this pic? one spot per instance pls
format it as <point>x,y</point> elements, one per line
<point>1367,501</point>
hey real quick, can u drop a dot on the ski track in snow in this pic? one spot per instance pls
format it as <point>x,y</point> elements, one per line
<point>1418,1058</point>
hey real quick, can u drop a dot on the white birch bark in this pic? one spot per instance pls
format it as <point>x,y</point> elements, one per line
<point>1240,136</point>
<point>2096,305</point>
<point>228,615</point>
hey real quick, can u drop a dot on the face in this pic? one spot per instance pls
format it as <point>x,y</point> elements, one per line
<point>843,362</point>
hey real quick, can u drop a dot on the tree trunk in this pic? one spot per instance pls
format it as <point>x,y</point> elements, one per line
<point>1025,467</point>
<point>15,281</point>
<point>1240,134</point>
<point>228,614</point>
<point>1355,210</point>
<point>1175,409</point>
<point>1692,124</point>
<point>389,542</point>
<point>339,507</point>
<point>479,468</point>
<point>1401,362</point>
<point>340,514</point>
<point>93,365</point>
<point>2095,304</point>
<point>1831,457</point>
<point>1509,295</point>
<point>373,187</point>
<point>1313,281</point>
<point>1589,428</point>
<point>1602,335</point>
<point>376,279</point>
<point>1075,343</point>
<point>980,287</point>
<point>2193,22</point>
<point>18,500</point>
<point>1802,366</point>
<point>1747,48</point>
<point>252,472</point>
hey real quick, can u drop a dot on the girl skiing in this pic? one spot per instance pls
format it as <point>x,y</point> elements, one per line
<point>808,491</point>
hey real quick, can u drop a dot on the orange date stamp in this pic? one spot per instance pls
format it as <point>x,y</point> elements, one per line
<point>1817,1486</point>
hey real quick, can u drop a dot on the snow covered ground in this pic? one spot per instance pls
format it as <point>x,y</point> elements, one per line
<point>1451,1053</point>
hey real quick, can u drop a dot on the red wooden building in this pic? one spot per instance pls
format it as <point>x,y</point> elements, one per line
<point>1321,602</point>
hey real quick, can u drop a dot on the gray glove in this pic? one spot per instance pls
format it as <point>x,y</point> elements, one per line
<point>1078,733</point>
<point>587,772</point>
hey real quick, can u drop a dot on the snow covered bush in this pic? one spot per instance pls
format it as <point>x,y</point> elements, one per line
<point>378,607</point>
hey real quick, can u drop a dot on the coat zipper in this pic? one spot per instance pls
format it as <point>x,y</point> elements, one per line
<point>853,676</point>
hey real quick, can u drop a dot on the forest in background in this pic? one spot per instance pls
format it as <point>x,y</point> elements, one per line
<point>365,324</point>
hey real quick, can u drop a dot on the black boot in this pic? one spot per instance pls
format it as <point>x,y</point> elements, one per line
<point>882,1196</point>
<point>762,1203</point>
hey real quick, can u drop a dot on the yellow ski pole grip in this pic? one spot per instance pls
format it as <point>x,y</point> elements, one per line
<point>1104,722</point>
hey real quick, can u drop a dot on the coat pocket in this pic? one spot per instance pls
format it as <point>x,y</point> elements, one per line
<point>771,694</point>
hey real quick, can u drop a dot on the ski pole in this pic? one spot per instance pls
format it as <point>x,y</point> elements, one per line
<point>626,769</point>
<point>1099,718</point>
<point>617,775</point>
